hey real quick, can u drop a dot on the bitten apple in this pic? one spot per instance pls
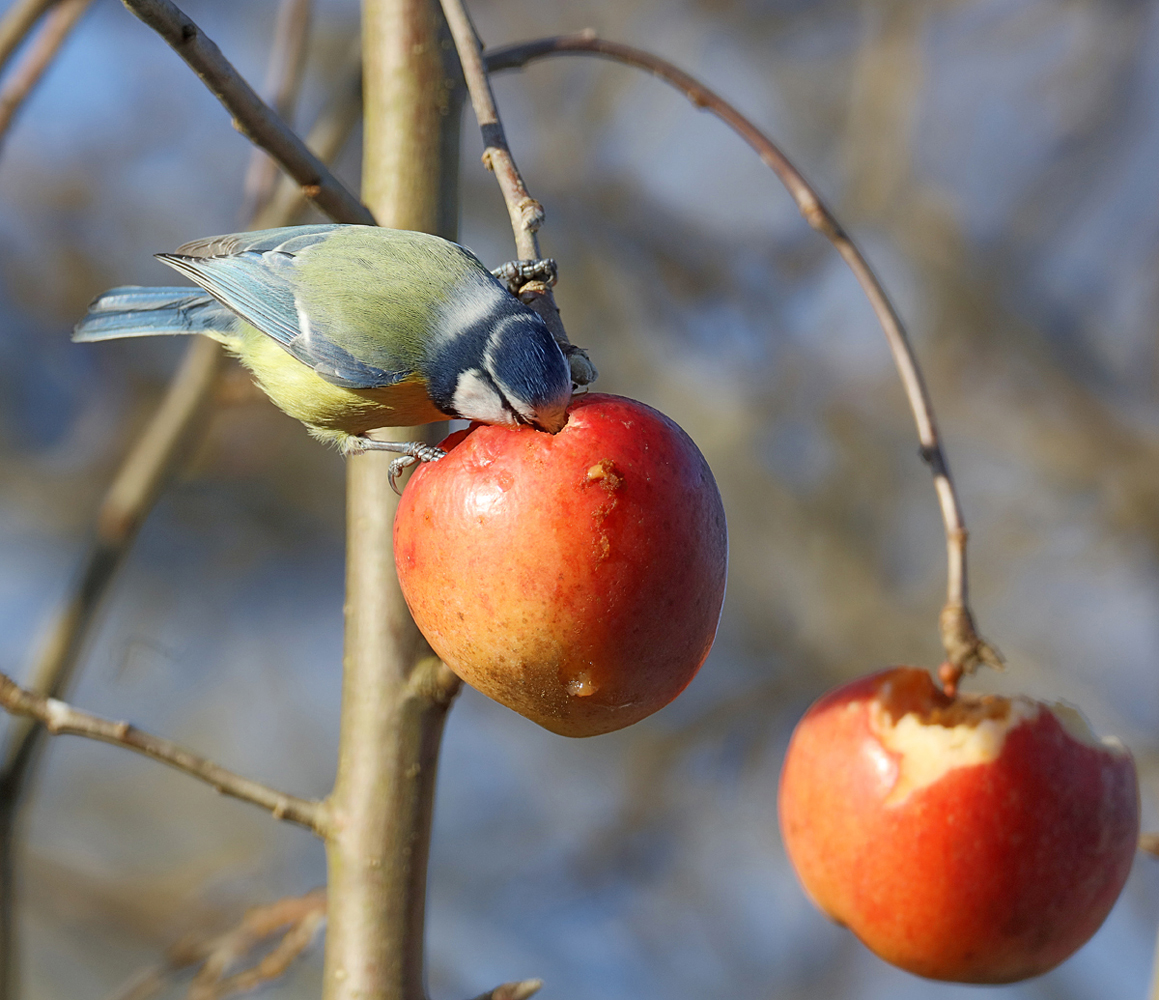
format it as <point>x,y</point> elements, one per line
<point>577,577</point>
<point>975,839</point>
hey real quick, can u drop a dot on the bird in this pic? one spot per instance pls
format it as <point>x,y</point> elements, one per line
<point>350,328</point>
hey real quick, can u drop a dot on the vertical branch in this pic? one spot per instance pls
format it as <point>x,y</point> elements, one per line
<point>395,692</point>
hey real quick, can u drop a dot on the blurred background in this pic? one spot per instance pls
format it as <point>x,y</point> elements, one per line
<point>996,159</point>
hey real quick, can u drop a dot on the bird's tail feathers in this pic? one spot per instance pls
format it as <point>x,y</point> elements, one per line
<point>134,311</point>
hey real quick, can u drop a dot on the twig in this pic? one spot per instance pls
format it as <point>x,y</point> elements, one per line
<point>965,650</point>
<point>280,89</point>
<point>525,212</point>
<point>17,22</point>
<point>304,915</point>
<point>301,915</point>
<point>62,719</point>
<point>513,991</point>
<point>27,73</point>
<point>251,115</point>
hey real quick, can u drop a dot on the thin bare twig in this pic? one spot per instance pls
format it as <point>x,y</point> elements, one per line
<point>301,916</point>
<point>304,916</point>
<point>251,115</point>
<point>17,22</point>
<point>965,650</point>
<point>43,49</point>
<point>62,719</point>
<point>280,90</point>
<point>513,991</point>
<point>525,212</point>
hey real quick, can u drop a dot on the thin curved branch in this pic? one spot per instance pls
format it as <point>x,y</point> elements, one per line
<point>965,650</point>
<point>19,83</point>
<point>251,115</point>
<point>513,991</point>
<point>525,212</point>
<point>60,719</point>
<point>298,917</point>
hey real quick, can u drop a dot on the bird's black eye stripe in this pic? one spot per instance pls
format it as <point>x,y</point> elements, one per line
<point>519,418</point>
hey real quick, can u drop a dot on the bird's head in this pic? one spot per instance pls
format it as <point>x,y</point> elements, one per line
<point>511,373</point>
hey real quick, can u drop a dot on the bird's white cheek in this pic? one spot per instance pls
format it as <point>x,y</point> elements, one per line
<point>476,399</point>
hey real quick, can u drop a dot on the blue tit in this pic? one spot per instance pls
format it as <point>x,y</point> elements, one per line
<point>349,328</point>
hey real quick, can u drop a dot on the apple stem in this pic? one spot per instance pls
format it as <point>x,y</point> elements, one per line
<point>965,650</point>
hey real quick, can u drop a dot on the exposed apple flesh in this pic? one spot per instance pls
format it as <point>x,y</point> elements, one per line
<point>974,839</point>
<point>577,577</point>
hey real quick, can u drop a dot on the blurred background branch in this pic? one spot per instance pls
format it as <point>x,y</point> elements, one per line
<point>150,463</point>
<point>18,20</point>
<point>40,53</point>
<point>297,918</point>
<point>280,91</point>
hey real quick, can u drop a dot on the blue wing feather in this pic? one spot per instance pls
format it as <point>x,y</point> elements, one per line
<point>133,311</point>
<point>256,284</point>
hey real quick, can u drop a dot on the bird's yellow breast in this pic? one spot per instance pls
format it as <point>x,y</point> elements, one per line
<point>330,411</point>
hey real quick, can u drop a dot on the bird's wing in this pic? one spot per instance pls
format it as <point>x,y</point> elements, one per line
<point>255,275</point>
<point>292,240</point>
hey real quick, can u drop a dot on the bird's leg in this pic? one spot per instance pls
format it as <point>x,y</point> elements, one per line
<point>411,452</point>
<point>517,273</point>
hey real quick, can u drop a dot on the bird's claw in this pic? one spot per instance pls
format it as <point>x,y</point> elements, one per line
<point>411,452</point>
<point>517,273</point>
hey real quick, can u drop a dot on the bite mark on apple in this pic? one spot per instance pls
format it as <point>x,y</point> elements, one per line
<point>926,748</point>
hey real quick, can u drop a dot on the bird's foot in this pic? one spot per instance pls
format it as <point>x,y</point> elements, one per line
<point>410,453</point>
<point>517,273</point>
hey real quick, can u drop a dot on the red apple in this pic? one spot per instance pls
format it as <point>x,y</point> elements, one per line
<point>978,839</point>
<point>577,577</point>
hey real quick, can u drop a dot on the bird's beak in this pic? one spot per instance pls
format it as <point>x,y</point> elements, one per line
<point>552,421</point>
